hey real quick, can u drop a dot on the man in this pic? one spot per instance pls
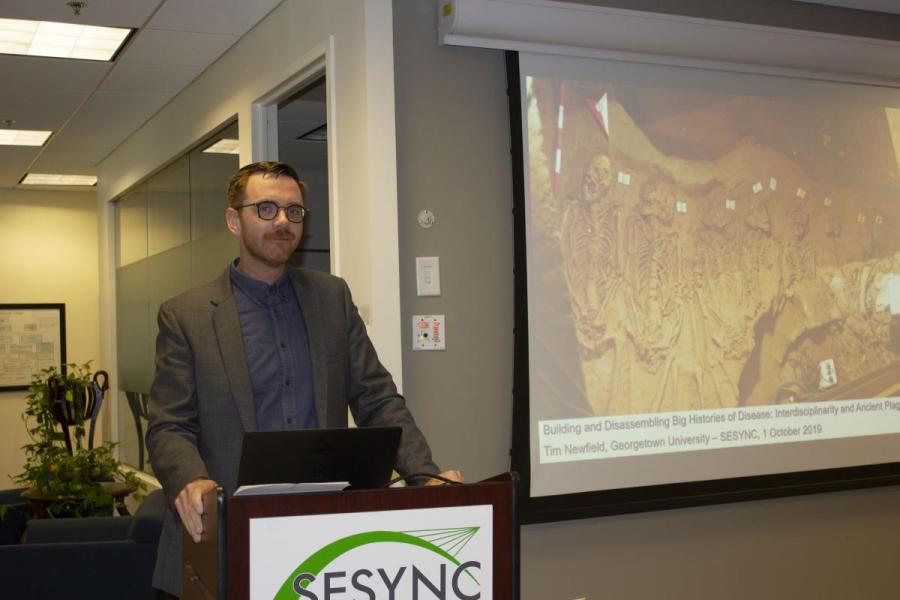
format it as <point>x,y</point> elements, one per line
<point>261,347</point>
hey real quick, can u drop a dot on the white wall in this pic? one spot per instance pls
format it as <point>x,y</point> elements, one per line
<point>353,38</point>
<point>48,241</point>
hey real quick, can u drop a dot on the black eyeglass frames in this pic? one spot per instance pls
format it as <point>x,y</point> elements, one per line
<point>268,210</point>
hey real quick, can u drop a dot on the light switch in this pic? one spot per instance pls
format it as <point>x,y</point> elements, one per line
<point>428,332</point>
<point>428,276</point>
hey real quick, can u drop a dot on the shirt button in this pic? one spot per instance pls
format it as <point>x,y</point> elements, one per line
<point>283,345</point>
<point>288,383</point>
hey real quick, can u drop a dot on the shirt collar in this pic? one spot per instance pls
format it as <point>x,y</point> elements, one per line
<point>259,291</point>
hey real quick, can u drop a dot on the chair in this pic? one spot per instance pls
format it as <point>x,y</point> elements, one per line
<point>93,557</point>
<point>137,402</point>
<point>12,525</point>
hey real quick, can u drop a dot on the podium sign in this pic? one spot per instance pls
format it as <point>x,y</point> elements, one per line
<point>444,552</point>
<point>453,542</point>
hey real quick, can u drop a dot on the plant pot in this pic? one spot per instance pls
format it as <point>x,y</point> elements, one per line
<point>44,505</point>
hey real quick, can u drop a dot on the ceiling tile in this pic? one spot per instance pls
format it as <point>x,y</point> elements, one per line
<point>13,162</point>
<point>63,166</point>
<point>56,73</point>
<point>109,13</point>
<point>71,157</point>
<point>303,111</point>
<point>303,155</point>
<point>39,108</point>
<point>156,47</point>
<point>109,117</point>
<point>168,79</point>
<point>182,39</point>
<point>210,16</point>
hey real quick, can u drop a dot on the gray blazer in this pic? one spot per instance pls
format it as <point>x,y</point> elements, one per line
<point>201,401</point>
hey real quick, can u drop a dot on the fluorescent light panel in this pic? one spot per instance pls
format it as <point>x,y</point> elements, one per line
<point>225,146</point>
<point>23,137</point>
<point>54,179</point>
<point>60,40</point>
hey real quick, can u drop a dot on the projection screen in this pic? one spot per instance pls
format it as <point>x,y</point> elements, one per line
<point>713,274</point>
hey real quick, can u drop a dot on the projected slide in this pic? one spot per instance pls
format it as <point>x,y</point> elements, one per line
<point>713,263</point>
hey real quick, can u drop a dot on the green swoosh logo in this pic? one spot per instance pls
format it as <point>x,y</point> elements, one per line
<point>325,555</point>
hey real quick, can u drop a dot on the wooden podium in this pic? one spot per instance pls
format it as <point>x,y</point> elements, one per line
<point>433,529</point>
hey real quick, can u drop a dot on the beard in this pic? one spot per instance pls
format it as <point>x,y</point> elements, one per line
<point>272,255</point>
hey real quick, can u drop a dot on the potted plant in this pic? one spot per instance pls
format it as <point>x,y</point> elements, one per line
<point>62,465</point>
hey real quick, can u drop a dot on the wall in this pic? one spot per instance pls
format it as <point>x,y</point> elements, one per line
<point>453,158</point>
<point>352,39</point>
<point>49,244</point>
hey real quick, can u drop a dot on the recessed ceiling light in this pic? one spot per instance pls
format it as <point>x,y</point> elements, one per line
<point>225,146</point>
<point>60,40</point>
<point>23,137</point>
<point>54,179</point>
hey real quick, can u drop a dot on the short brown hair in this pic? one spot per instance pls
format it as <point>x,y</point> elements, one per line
<point>238,184</point>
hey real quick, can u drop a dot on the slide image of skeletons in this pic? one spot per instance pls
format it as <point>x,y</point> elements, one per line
<point>718,281</point>
<point>654,312</point>
<point>797,259</point>
<point>589,243</point>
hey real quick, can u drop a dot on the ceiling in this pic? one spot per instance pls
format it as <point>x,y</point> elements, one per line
<point>297,116</point>
<point>92,107</point>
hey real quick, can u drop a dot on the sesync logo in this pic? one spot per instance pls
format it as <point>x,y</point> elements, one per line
<point>435,573</point>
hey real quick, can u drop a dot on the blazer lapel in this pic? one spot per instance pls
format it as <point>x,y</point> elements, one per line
<point>227,325</point>
<point>310,305</point>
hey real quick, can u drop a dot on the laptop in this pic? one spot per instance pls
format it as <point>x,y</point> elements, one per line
<point>362,456</point>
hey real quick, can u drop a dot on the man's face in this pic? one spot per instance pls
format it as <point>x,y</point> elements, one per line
<point>266,243</point>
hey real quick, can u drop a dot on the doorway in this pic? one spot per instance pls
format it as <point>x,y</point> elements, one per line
<point>303,144</point>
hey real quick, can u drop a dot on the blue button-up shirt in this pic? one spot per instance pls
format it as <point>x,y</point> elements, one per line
<point>277,350</point>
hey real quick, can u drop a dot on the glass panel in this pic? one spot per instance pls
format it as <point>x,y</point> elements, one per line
<point>212,254</point>
<point>132,427</point>
<point>168,208</point>
<point>210,173</point>
<point>169,275</point>
<point>131,222</point>
<point>135,327</point>
<point>171,235</point>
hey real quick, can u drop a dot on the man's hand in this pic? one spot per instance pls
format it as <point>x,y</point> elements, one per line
<point>189,505</point>
<point>456,476</point>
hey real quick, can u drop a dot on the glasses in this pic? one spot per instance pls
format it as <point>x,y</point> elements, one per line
<point>268,210</point>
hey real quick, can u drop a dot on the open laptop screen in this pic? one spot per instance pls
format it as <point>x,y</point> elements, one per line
<point>364,456</point>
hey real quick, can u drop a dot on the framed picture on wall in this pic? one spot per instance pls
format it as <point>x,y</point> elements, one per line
<point>32,337</point>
